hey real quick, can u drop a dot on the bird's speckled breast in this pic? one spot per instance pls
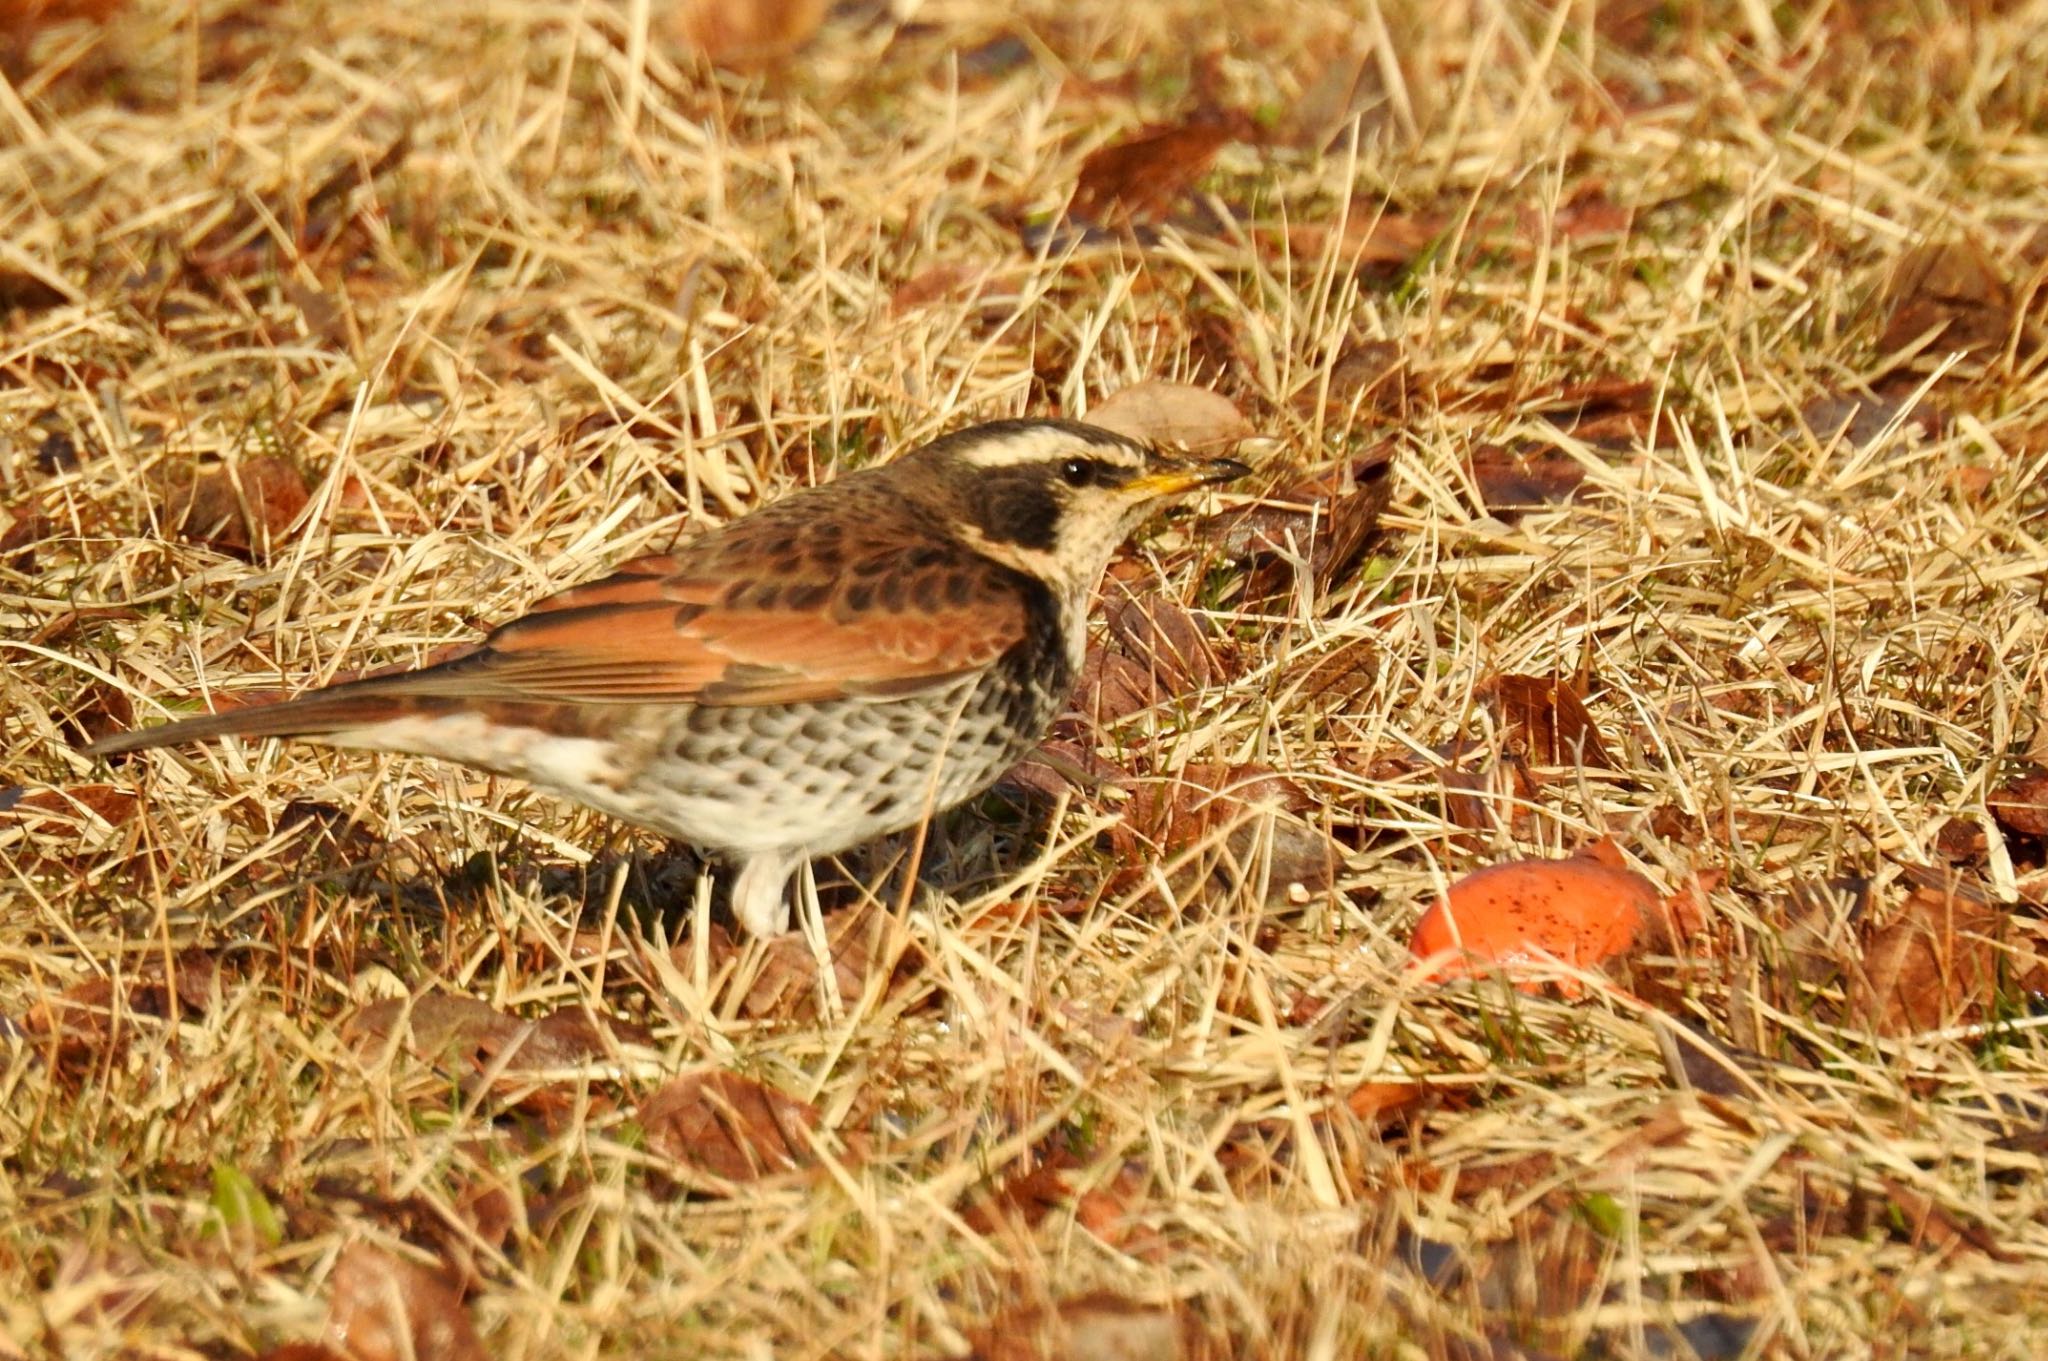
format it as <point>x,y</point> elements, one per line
<point>827,775</point>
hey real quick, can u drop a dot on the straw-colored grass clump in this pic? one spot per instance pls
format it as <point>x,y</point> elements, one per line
<point>1696,352</point>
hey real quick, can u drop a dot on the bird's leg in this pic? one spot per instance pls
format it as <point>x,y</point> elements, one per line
<point>760,897</point>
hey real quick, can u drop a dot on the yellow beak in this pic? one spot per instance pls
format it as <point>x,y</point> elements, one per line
<point>1168,476</point>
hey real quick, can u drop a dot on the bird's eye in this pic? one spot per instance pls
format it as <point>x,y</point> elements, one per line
<point>1078,472</point>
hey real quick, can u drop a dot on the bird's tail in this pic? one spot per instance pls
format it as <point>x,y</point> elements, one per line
<point>336,709</point>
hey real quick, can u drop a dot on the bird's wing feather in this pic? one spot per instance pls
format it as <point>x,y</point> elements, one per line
<point>651,633</point>
<point>773,609</point>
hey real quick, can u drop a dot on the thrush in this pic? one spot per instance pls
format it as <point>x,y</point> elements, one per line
<point>838,665</point>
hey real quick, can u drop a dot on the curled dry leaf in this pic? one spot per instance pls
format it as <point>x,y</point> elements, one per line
<point>390,1308</point>
<point>745,34</point>
<point>1321,523</point>
<point>1546,720</point>
<point>718,1128</point>
<point>242,507</point>
<point>1179,414</point>
<point>1578,912</point>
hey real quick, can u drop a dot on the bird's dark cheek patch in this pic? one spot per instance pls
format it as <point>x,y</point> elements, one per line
<point>1021,513</point>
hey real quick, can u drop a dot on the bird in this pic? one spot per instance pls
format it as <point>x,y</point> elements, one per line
<point>840,664</point>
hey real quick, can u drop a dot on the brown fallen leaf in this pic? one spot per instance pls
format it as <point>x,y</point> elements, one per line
<point>942,281</point>
<point>1923,1222</point>
<point>1112,687</point>
<point>243,507</point>
<point>1372,376</point>
<point>72,809</point>
<point>783,983</point>
<point>1485,800</point>
<point>2021,804</point>
<point>530,1062</point>
<point>746,34</point>
<point>1611,411</point>
<point>1320,524</point>
<point>1961,840</point>
<point>1022,1201</point>
<point>1514,480</point>
<point>1942,960</point>
<point>1858,419</point>
<point>1545,720</point>
<point>27,527</point>
<point>1181,414</point>
<point>1371,235</point>
<point>1100,1326</point>
<point>1252,819</point>
<point>1160,635</point>
<point>103,1013</point>
<point>1949,295</point>
<point>20,18</point>
<point>1139,179</point>
<point>718,1128</point>
<point>389,1308</point>
<point>1376,1102</point>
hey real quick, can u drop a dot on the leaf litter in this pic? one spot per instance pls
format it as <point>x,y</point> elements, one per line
<point>1667,352</point>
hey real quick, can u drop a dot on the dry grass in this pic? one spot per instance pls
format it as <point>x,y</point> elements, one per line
<point>520,294</point>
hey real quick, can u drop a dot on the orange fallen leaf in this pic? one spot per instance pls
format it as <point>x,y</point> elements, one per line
<point>24,16</point>
<point>741,34</point>
<point>1374,1101</point>
<point>1578,912</point>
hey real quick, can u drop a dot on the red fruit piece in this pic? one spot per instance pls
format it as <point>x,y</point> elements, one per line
<point>1577,912</point>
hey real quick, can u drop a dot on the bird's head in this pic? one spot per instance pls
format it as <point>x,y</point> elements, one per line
<point>1054,499</point>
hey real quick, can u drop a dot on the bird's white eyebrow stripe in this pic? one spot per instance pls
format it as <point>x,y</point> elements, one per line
<point>1035,446</point>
